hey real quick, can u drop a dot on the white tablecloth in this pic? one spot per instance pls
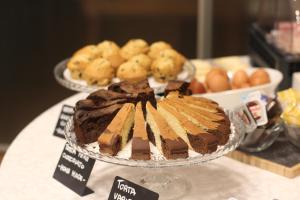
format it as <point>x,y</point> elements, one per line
<point>28,166</point>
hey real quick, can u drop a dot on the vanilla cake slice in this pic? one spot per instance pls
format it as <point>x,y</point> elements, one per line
<point>166,140</point>
<point>115,136</point>
<point>198,139</point>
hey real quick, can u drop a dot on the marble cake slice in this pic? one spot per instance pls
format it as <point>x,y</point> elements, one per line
<point>117,133</point>
<point>210,126</point>
<point>89,124</point>
<point>166,140</point>
<point>198,139</point>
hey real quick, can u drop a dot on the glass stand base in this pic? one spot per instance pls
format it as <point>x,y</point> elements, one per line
<point>168,186</point>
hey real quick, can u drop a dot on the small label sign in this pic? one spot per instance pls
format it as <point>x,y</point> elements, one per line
<point>65,114</point>
<point>125,190</point>
<point>73,170</point>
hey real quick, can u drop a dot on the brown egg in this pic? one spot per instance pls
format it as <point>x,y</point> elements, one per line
<point>218,83</point>
<point>239,79</point>
<point>215,71</point>
<point>259,77</point>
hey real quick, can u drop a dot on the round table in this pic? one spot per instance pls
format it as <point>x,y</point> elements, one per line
<point>29,163</point>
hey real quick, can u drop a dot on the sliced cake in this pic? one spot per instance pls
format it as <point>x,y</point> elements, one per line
<point>140,143</point>
<point>117,133</point>
<point>89,123</point>
<point>166,140</point>
<point>197,138</point>
<point>143,92</point>
<point>210,126</point>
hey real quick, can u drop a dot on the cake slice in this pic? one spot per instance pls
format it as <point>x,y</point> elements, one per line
<point>166,140</point>
<point>140,143</point>
<point>215,128</point>
<point>206,104</point>
<point>211,110</point>
<point>204,113</point>
<point>117,133</point>
<point>197,138</point>
<point>89,123</point>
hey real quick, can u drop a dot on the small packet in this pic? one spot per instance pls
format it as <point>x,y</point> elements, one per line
<point>256,103</point>
<point>244,117</point>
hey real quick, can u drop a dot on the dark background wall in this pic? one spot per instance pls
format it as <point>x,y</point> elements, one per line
<point>35,35</point>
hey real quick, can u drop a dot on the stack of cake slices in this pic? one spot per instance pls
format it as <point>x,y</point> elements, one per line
<point>129,113</point>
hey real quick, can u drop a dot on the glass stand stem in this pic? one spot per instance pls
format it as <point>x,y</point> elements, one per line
<point>168,185</point>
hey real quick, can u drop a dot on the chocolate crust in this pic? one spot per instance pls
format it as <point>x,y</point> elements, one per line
<point>108,95</point>
<point>140,149</point>
<point>203,143</point>
<point>113,147</point>
<point>181,86</point>
<point>173,149</point>
<point>141,91</point>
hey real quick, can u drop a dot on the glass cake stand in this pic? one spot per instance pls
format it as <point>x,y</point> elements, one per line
<point>167,184</point>
<point>62,76</point>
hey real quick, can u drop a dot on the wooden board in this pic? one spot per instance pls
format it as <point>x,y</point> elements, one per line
<point>281,158</point>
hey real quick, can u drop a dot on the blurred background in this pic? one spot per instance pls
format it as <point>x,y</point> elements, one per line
<point>36,35</point>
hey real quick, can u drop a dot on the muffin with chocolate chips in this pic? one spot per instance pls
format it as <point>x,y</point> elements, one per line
<point>98,72</point>
<point>132,72</point>
<point>164,69</point>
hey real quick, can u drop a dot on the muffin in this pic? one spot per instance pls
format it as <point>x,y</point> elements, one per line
<point>164,69</point>
<point>157,47</point>
<point>175,56</point>
<point>134,47</point>
<point>132,72</point>
<point>98,72</point>
<point>144,61</point>
<point>77,64</point>
<point>90,50</point>
<point>111,51</point>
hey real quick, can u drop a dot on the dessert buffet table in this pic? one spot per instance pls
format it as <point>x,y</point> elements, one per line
<point>28,166</point>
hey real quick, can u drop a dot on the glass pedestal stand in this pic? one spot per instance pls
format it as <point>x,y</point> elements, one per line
<point>78,85</point>
<point>156,174</point>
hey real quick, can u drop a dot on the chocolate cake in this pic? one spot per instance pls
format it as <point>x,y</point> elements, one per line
<point>117,133</point>
<point>140,143</point>
<point>166,140</point>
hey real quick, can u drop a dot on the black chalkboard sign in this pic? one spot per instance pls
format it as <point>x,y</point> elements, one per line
<point>125,190</point>
<point>73,170</point>
<point>65,113</point>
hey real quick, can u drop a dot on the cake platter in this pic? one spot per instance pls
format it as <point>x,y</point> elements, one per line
<point>63,77</point>
<point>169,186</point>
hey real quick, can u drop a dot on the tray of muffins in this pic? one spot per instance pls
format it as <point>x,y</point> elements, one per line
<point>127,124</point>
<point>96,66</point>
